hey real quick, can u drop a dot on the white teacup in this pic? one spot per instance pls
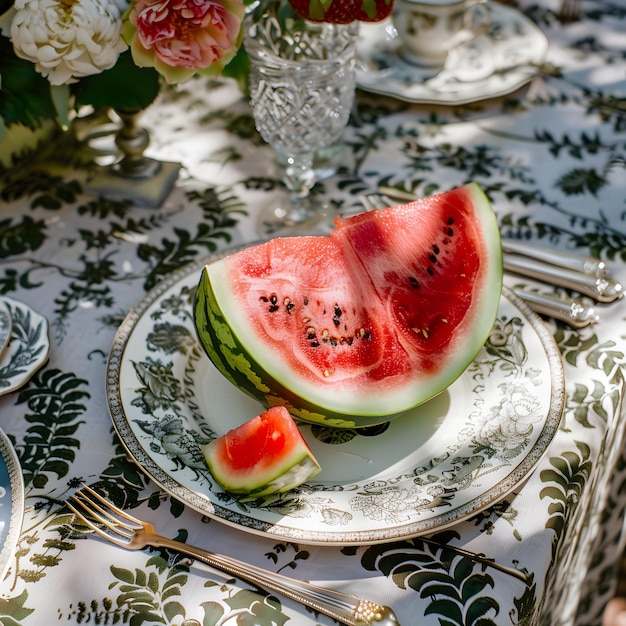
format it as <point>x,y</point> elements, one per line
<point>429,29</point>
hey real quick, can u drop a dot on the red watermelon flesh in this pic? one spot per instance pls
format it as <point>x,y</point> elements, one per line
<point>371,321</point>
<point>265,455</point>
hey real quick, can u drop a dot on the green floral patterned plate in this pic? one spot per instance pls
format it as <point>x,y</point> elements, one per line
<point>438,464</point>
<point>28,346</point>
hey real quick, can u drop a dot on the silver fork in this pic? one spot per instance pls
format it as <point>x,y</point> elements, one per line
<point>127,531</point>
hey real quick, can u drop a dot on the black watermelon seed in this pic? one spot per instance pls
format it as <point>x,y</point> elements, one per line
<point>337,315</point>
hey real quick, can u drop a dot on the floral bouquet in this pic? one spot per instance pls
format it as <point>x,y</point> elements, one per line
<point>56,55</point>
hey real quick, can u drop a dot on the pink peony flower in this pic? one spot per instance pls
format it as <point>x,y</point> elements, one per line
<point>181,37</point>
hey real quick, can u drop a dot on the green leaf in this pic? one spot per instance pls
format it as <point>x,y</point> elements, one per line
<point>580,393</point>
<point>239,69</point>
<point>480,607</point>
<point>171,587</point>
<point>579,181</point>
<point>244,599</point>
<point>14,609</point>
<point>445,608</point>
<point>18,78</point>
<point>421,578</point>
<point>552,476</point>
<point>600,410</point>
<point>122,574</point>
<point>430,590</point>
<point>124,86</point>
<point>213,612</point>
<point>153,582</point>
<point>475,584</point>
<point>462,570</point>
<point>552,492</point>
<point>172,609</point>
<point>19,237</point>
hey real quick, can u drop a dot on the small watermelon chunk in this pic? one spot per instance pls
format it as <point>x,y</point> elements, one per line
<point>354,329</point>
<point>265,455</point>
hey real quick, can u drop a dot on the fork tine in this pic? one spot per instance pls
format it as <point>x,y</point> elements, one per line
<point>92,516</point>
<point>98,516</point>
<point>85,491</point>
<point>81,516</point>
<point>113,536</point>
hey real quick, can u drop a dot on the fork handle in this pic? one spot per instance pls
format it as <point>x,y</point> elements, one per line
<point>349,609</point>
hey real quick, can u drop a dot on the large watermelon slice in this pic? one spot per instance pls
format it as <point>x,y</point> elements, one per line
<point>353,329</point>
<point>264,455</point>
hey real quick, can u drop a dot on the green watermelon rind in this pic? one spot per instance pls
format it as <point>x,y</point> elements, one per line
<point>232,353</point>
<point>231,358</point>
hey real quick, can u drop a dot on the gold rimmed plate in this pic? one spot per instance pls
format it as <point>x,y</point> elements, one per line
<point>429,469</point>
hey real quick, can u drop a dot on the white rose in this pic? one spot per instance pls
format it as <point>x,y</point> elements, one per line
<point>68,39</point>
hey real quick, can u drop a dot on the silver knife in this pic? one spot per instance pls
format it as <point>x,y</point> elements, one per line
<point>577,263</point>
<point>600,288</point>
<point>569,310</point>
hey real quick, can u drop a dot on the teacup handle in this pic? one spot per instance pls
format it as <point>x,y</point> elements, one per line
<point>479,18</point>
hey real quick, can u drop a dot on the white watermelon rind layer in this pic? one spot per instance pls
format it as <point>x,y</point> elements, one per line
<point>230,342</point>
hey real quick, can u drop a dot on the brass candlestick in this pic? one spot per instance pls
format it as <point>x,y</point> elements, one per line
<point>134,177</point>
<point>133,140</point>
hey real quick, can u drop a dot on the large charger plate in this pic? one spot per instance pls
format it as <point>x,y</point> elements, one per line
<point>11,502</point>
<point>428,469</point>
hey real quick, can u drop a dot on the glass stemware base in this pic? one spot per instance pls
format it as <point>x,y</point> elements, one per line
<point>281,217</point>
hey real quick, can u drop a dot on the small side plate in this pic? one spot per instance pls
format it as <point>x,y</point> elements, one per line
<point>5,326</point>
<point>493,64</point>
<point>28,346</point>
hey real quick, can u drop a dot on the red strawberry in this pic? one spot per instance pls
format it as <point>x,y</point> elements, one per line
<point>342,11</point>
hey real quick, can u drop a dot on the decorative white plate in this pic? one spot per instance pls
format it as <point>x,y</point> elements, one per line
<point>11,502</point>
<point>438,464</point>
<point>493,64</point>
<point>5,326</point>
<point>28,346</point>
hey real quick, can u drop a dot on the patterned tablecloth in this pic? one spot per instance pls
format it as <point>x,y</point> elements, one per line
<point>552,158</point>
